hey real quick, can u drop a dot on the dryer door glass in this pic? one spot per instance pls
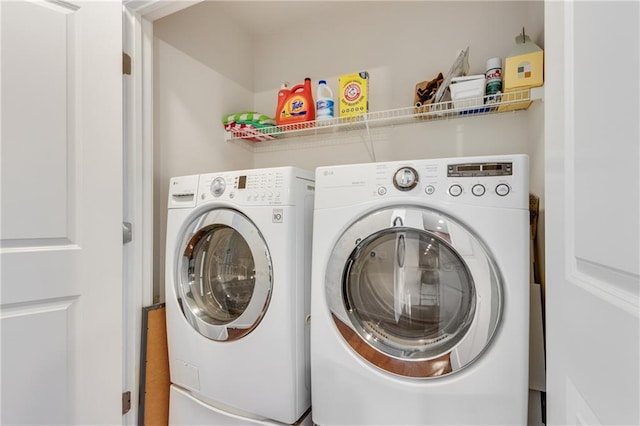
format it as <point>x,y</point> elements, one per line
<point>413,292</point>
<point>225,280</point>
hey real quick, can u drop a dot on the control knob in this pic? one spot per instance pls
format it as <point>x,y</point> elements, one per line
<point>405,179</point>
<point>218,186</point>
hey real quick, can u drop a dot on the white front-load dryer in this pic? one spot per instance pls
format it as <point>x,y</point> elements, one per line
<point>420,287</point>
<point>238,291</point>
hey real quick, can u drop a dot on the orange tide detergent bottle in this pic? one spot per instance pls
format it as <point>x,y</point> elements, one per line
<point>295,105</point>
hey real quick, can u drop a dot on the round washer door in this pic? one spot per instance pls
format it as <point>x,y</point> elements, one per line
<point>225,279</point>
<point>413,292</point>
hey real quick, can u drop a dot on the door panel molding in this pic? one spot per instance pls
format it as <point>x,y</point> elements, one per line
<point>36,244</point>
<point>610,285</point>
<point>38,307</point>
<point>28,328</point>
<point>58,5</point>
<point>578,411</point>
<point>605,125</point>
<point>587,269</point>
<point>40,155</point>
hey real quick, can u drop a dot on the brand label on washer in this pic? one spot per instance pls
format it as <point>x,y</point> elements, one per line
<point>277,215</point>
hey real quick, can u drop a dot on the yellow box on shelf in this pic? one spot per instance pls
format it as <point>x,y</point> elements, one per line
<point>354,94</point>
<point>523,69</point>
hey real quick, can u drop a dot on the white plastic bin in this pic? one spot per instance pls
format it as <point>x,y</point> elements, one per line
<point>468,92</point>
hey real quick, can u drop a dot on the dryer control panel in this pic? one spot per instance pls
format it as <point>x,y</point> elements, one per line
<point>500,181</point>
<point>482,170</point>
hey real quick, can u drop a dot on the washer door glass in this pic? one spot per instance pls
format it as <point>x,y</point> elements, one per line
<point>225,275</point>
<point>413,292</point>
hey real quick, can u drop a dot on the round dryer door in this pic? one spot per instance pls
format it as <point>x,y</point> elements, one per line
<point>224,278</point>
<point>413,292</point>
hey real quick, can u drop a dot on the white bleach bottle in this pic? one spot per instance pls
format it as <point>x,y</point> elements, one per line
<point>324,101</point>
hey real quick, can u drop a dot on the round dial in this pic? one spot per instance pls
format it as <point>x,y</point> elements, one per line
<point>405,178</point>
<point>218,186</point>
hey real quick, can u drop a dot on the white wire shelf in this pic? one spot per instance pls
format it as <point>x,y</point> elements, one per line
<point>511,101</point>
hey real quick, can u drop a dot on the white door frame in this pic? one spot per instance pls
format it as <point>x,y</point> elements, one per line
<point>137,210</point>
<point>138,18</point>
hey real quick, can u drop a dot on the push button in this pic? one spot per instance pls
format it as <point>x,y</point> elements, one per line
<point>382,190</point>
<point>502,189</point>
<point>478,190</point>
<point>429,189</point>
<point>455,190</point>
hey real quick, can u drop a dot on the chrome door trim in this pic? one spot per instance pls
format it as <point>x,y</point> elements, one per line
<point>263,287</point>
<point>486,280</point>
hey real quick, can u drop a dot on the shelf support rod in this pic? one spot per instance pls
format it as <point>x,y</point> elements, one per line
<point>370,148</point>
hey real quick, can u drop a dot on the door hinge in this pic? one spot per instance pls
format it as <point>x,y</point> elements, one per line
<point>126,64</point>
<point>126,402</point>
<point>127,232</point>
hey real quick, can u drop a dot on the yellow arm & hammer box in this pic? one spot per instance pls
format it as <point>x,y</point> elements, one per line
<point>354,94</point>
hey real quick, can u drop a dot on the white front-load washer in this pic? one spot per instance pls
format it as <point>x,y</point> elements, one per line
<point>420,292</point>
<point>189,410</point>
<point>238,291</point>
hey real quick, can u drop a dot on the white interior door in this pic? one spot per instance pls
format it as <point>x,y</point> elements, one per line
<point>592,215</point>
<point>61,199</point>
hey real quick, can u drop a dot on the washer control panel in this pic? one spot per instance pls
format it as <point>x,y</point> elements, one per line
<point>247,187</point>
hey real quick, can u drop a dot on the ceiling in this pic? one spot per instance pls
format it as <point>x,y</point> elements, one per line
<point>268,17</point>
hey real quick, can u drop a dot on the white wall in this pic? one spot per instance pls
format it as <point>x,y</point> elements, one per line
<point>220,57</point>
<point>195,85</point>
<point>400,44</point>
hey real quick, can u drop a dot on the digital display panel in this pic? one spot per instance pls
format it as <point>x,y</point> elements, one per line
<point>492,167</point>
<point>472,168</point>
<point>479,169</point>
<point>242,182</point>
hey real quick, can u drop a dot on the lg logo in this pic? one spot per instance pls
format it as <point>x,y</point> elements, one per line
<point>277,216</point>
